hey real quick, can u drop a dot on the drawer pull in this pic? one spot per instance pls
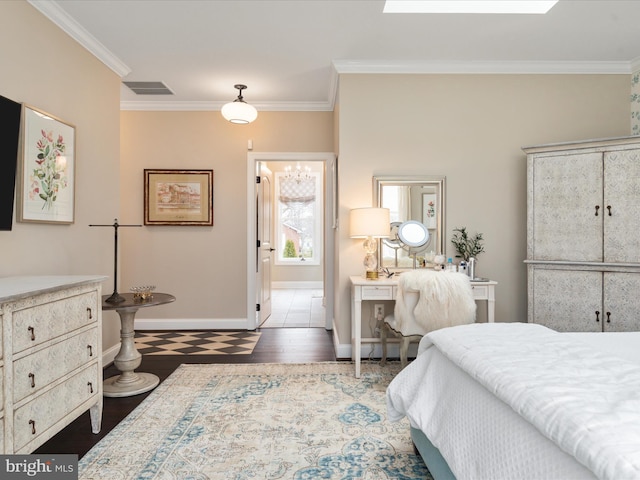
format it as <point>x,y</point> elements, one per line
<point>32,331</point>
<point>90,348</point>
<point>609,208</point>
<point>90,313</point>
<point>90,385</point>
<point>597,208</point>
<point>608,317</point>
<point>597,316</point>
<point>33,380</point>
<point>33,426</point>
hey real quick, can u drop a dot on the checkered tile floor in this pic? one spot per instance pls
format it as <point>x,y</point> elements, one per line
<point>196,343</point>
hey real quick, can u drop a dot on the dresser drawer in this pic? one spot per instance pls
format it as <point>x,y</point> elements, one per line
<point>480,292</point>
<point>35,325</point>
<point>33,372</point>
<point>384,292</point>
<point>34,418</point>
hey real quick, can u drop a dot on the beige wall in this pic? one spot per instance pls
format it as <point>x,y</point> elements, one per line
<point>45,68</point>
<point>204,267</point>
<point>471,129</point>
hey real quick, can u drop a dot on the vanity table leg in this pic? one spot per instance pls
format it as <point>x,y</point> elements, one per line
<point>356,327</point>
<point>129,382</point>
<point>491,304</point>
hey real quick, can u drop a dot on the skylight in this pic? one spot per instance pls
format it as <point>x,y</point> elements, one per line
<point>469,6</point>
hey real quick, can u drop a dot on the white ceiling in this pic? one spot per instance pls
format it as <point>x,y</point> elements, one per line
<point>289,52</point>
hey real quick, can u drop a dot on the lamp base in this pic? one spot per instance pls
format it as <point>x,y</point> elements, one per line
<point>372,275</point>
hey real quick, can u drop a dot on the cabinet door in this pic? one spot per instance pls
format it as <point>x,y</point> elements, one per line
<point>566,300</point>
<point>622,206</point>
<point>566,190</point>
<point>621,305</point>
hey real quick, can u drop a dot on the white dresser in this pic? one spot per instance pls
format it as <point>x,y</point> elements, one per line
<point>583,235</point>
<point>50,357</point>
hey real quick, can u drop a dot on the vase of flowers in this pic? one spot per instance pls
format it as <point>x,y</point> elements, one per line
<point>467,246</point>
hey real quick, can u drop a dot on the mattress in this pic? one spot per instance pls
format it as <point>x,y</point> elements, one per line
<point>480,435</point>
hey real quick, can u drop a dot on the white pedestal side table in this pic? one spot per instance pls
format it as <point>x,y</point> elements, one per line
<point>130,382</point>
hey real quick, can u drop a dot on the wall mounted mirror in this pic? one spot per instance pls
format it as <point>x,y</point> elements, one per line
<point>411,198</point>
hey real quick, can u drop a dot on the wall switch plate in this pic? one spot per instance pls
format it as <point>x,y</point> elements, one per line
<point>378,310</point>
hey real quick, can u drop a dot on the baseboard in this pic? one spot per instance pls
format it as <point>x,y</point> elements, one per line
<point>371,350</point>
<point>298,285</point>
<point>191,324</point>
<point>109,355</point>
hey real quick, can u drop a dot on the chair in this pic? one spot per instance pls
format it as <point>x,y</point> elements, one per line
<point>427,300</point>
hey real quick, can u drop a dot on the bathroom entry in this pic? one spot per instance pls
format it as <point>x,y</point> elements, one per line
<point>290,211</point>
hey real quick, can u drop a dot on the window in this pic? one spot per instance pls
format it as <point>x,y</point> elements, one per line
<point>298,216</point>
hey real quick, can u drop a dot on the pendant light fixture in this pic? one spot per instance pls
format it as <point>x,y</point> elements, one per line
<point>239,111</point>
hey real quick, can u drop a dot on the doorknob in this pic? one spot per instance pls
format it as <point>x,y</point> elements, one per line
<point>272,249</point>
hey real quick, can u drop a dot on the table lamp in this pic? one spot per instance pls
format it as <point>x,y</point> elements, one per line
<point>370,223</point>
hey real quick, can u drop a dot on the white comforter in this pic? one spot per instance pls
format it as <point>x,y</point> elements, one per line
<point>584,401</point>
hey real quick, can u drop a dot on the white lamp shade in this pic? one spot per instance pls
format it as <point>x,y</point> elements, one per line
<point>369,222</point>
<point>239,112</point>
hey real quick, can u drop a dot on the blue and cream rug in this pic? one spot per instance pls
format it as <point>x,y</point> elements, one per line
<point>261,421</point>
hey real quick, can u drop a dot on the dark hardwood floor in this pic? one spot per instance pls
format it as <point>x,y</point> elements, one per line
<point>276,345</point>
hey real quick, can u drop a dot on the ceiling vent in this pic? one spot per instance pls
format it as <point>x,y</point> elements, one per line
<point>148,88</point>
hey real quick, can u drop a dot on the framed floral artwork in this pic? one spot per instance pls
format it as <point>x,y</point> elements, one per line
<point>429,216</point>
<point>47,158</point>
<point>178,197</point>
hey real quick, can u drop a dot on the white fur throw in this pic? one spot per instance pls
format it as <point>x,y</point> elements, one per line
<point>445,300</point>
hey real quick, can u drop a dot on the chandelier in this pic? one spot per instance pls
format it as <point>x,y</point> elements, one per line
<point>297,185</point>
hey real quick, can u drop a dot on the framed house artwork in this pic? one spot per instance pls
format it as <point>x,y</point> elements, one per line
<point>46,187</point>
<point>178,197</point>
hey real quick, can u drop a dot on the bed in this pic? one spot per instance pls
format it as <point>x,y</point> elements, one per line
<point>521,401</point>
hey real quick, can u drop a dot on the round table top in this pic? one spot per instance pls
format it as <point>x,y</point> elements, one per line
<point>130,302</point>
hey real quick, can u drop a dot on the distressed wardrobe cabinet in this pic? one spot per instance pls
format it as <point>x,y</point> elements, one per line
<point>50,357</point>
<point>583,235</point>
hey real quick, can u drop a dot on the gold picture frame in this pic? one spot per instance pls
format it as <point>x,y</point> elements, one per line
<point>178,197</point>
<point>46,186</point>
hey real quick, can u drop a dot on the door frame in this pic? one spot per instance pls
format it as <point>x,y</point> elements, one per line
<point>328,158</point>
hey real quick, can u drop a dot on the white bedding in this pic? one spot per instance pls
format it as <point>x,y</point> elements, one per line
<point>520,401</point>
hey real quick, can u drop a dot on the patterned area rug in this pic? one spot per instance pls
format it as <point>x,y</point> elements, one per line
<point>261,421</point>
<point>196,343</point>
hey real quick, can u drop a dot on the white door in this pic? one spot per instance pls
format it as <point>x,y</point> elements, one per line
<point>265,241</point>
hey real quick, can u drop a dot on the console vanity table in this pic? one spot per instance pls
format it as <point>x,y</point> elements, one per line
<point>363,289</point>
<point>50,357</point>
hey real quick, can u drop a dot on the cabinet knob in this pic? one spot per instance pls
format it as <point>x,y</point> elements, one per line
<point>597,316</point>
<point>90,313</point>
<point>32,331</point>
<point>90,385</point>
<point>90,348</point>
<point>33,380</point>
<point>597,208</point>
<point>608,317</point>
<point>609,208</point>
<point>33,426</point>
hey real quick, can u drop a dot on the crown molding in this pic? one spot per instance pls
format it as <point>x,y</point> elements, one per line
<point>168,106</point>
<point>635,65</point>
<point>58,16</point>
<point>471,67</point>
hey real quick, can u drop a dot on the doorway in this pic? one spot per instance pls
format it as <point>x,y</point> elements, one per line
<point>260,254</point>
